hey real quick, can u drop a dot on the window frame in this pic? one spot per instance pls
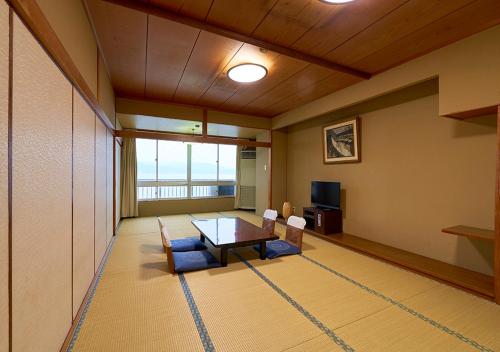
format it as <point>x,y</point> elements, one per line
<point>189,183</point>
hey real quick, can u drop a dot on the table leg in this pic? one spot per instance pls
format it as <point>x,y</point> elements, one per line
<point>263,250</point>
<point>202,238</point>
<point>223,256</point>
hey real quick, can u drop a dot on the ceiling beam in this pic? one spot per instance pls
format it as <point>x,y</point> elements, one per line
<point>157,11</point>
<point>130,133</point>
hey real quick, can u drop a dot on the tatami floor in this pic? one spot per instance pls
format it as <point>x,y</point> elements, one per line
<point>329,299</point>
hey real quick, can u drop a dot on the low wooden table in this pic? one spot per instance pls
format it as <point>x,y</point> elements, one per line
<point>225,233</point>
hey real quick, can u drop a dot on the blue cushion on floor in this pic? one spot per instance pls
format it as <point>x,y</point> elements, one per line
<point>278,248</point>
<point>191,261</point>
<point>187,244</point>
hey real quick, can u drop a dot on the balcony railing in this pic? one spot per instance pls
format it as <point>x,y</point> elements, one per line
<point>147,190</point>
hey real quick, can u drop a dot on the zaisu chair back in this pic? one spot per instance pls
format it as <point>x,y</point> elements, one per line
<point>167,246</point>
<point>161,225</point>
<point>295,231</point>
<point>269,220</point>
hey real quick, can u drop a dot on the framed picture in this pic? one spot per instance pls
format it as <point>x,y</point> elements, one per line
<point>341,142</point>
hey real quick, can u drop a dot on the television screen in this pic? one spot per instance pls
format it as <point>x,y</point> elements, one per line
<point>325,194</point>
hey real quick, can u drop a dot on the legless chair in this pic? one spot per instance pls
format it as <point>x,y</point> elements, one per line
<point>293,239</point>
<point>186,261</point>
<point>183,244</point>
<point>269,220</point>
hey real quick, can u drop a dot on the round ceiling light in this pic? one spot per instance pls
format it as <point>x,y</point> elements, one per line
<point>336,1</point>
<point>246,73</point>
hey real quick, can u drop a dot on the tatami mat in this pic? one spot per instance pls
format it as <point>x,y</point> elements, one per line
<point>139,306</point>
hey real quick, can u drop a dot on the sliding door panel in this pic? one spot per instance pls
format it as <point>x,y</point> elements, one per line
<point>41,217</point>
<point>4,215</point>
<point>100,192</point>
<point>83,198</point>
<point>109,187</point>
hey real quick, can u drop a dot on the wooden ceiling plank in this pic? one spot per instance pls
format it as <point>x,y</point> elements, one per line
<point>242,16</point>
<point>473,18</point>
<point>288,21</point>
<point>304,84</point>
<point>169,47</point>
<point>351,19</point>
<point>336,81</point>
<point>122,34</point>
<point>406,19</point>
<point>210,55</point>
<point>160,12</point>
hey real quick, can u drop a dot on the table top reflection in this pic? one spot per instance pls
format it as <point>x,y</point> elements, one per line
<point>224,231</point>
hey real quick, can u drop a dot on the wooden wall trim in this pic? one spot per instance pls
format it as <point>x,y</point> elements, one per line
<point>34,19</point>
<point>497,216</point>
<point>190,138</point>
<point>154,10</point>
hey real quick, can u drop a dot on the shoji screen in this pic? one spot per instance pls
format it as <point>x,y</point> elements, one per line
<point>109,187</point>
<point>4,215</point>
<point>83,198</point>
<point>100,192</point>
<point>41,196</point>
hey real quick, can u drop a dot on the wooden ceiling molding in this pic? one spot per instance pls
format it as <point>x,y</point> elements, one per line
<point>179,51</point>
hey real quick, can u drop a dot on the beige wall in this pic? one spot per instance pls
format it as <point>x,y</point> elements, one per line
<point>4,215</point>
<point>419,174</point>
<point>83,198</point>
<point>41,196</point>
<point>106,95</point>
<point>468,73</point>
<point>69,20</point>
<point>183,206</point>
<point>278,162</point>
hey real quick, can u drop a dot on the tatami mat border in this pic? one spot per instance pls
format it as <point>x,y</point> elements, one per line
<point>401,306</point>
<point>200,325</point>
<point>76,332</point>
<point>334,337</point>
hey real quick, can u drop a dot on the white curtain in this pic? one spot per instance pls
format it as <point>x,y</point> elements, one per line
<point>238,178</point>
<point>128,192</point>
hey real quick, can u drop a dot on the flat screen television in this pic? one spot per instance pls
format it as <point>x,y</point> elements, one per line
<point>325,194</point>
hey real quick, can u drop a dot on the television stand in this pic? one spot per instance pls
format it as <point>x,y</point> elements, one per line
<point>323,220</point>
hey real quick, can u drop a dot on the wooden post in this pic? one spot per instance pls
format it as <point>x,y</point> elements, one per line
<point>497,216</point>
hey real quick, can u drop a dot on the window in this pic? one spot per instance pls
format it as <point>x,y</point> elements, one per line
<point>173,170</point>
<point>204,161</point>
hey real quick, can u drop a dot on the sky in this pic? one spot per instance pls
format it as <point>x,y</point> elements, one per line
<point>172,161</point>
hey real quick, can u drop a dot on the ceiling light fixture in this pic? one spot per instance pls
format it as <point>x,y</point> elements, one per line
<point>335,1</point>
<point>246,73</point>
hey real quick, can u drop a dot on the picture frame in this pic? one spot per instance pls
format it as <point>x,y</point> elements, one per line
<point>341,142</point>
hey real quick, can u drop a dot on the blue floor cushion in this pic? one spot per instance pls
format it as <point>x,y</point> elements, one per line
<point>191,261</point>
<point>278,248</point>
<point>187,244</point>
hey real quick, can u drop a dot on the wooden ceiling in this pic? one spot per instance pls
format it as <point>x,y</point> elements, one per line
<point>150,57</point>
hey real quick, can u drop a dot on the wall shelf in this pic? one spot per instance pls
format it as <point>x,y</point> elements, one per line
<point>471,232</point>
